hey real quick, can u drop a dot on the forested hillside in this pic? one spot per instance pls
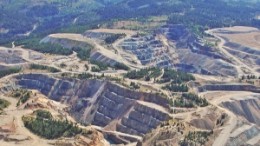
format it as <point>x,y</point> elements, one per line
<point>20,19</point>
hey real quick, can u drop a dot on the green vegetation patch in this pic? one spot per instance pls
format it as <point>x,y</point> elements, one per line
<point>43,114</point>
<point>42,11</point>
<point>121,66</point>
<point>196,138</point>
<point>100,66</point>
<point>134,85</point>
<point>4,104</point>
<point>83,53</point>
<point>189,100</point>
<point>43,67</point>
<point>222,119</point>
<point>177,80</point>
<point>176,77</point>
<point>176,88</point>
<point>84,76</point>
<point>147,73</point>
<point>53,16</point>
<point>113,37</point>
<point>45,126</point>
<point>34,44</point>
<point>22,94</point>
<point>9,71</point>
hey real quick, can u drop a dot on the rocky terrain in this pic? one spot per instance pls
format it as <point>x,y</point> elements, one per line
<point>241,44</point>
<point>229,87</point>
<point>124,111</point>
<point>10,57</point>
<point>168,46</point>
<point>175,46</point>
<point>99,53</point>
<point>102,103</point>
<point>247,108</point>
<point>242,111</point>
<point>130,73</point>
<point>188,46</point>
<point>13,131</point>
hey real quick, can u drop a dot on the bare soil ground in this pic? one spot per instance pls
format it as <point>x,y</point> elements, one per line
<point>240,35</point>
<point>216,98</point>
<point>98,47</point>
<point>246,36</point>
<point>12,127</point>
<point>14,115</point>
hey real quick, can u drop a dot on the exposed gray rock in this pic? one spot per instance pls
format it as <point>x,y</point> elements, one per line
<point>194,56</point>
<point>247,108</point>
<point>101,102</point>
<point>229,87</point>
<point>244,137</point>
<point>11,57</point>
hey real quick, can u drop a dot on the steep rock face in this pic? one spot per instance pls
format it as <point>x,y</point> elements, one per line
<point>229,87</point>
<point>149,50</point>
<point>193,55</point>
<point>247,108</point>
<point>245,135</point>
<point>96,55</point>
<point>102,103</point>
<point>141,120</point>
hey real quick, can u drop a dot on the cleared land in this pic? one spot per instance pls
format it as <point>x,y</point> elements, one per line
<point>200,118</point>
<point>246,36</point>
<point>240,45</point>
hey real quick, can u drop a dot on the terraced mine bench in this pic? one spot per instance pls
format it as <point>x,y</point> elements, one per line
<point>229,87</point>
<point>102,103</point>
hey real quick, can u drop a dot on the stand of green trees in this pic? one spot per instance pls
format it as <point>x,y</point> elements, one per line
<point>146,73</point>
<point>134,85</point>
<point>189,100</point>
<point>83,53</point>
<point>113,37</point>
<point>177,88</point>
<point>43,67</point>
<point>196,138</point>
<point>176,77</point>
<point>9,71</point>
<point>34,44</point>
<point>100,66</point>
<point>4,104</point>
<point>22,94</point>
<point>84,76</point>
<point>57,16</point>
<point>47,127</point>
<point>207,14</point>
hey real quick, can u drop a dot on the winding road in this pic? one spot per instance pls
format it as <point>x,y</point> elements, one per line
<point>238,64</point>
